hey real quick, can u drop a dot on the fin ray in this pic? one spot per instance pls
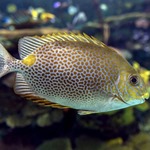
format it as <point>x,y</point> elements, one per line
<point>29,44</point>
<point>23,89</point>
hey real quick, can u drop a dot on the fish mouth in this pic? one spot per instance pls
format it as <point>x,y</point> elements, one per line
<point>120,98</point>
<point>145,95</point>
<point>134,102</point>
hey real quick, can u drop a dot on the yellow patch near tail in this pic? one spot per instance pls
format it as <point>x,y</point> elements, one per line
<point>29,60</point>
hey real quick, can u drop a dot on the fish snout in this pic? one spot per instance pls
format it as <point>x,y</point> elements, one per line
<point>145,95</point>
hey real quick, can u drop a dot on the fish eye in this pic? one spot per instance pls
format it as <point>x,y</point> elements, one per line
<point>134,80</point>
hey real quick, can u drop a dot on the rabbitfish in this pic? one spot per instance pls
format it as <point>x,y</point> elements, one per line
<point>68,70</point>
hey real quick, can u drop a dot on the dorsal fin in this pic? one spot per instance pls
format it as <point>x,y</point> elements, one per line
<point>23,89</point>
<point>72,37</point>
<point>29,44</point>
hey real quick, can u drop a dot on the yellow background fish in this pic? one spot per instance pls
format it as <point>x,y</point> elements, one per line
<point>73,70</point>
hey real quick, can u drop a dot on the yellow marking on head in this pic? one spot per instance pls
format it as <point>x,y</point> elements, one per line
<point>145,75</point>
<point>136,66</point>
<point>146,95</point>
<point>29,60</point>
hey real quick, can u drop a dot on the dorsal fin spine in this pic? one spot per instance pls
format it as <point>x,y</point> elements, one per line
<point>30,44</point>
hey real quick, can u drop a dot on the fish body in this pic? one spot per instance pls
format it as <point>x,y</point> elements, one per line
<point>74,70</point>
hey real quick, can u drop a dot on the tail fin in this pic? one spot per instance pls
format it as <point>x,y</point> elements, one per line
<point>5,57</point>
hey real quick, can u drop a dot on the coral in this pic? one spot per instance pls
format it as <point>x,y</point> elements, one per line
<point>117,147</point>
<point>56,144</point>
<point>135,142</point>
<point>57,115</point>
<point>126,118</point>
<point>17,121</point>
<point>143,107</point>
<point>32,109</point>
<point>46,119</point>
<point>88,143</point>
<point>116,141</point>
<point>140,141</point>
<point>15,146</point>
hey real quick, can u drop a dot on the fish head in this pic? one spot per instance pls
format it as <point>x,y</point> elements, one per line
<point>131,88</point>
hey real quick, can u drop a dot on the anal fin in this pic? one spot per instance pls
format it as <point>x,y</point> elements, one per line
<point>43,102</point>
<point>23,89</point>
